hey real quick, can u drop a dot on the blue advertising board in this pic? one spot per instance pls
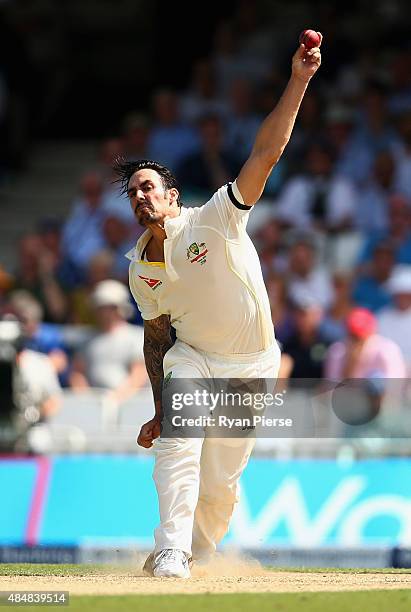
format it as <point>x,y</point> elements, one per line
<point>111,500</point>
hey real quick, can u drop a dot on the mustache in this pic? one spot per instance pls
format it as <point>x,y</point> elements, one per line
<point>141,204</point>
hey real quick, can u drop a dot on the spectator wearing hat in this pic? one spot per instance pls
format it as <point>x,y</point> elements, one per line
<point>113,359</point>
<point>367,365</point>
<point>394,322</point>
<point>364,353</point>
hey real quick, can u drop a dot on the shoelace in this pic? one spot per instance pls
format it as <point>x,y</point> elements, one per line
<point>169,554</point>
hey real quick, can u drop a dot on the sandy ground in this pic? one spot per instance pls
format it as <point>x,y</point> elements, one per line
<point>223,576</point>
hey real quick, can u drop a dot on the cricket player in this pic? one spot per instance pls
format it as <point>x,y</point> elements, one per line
<point>196,269</point>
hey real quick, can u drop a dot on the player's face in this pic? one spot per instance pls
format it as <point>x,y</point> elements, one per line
<point>149,200</point>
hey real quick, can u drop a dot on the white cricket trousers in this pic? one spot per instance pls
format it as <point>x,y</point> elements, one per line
<point>197,479</point>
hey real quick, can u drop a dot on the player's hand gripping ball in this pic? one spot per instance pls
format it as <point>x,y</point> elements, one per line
<point>310,39</point>
<point>307,58</point>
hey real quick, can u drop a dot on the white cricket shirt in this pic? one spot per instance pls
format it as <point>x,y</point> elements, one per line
<point>210,284</point>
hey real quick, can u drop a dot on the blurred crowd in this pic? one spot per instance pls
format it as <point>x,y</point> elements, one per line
<point>333,229</point>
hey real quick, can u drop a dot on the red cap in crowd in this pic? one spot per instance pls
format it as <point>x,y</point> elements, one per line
<point>361,323</point>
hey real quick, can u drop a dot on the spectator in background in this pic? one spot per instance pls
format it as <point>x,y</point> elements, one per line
<point>226,64</point>
<point>308,126</point>
<point>29,393</point>
<point>270,247</point>
<point>364,353</point>
<point>113,359</point>
<point>204,172</point>
<point>373,133</point>
<point>318,198</point>
<point>49,229</point>
<point>240,127</point>
<point>367,356</point>
<point>37,271</point>
<point>402,153</point>
<point>280,315</point>
<point>304,274</point>
<point>114,204</point>
<point>400,73</point>
<point>334,319</point>
<point>242,122</point>
<point>100,268</point>
<point>6,284</point>
<point>307,345</point>
<point>398,232</point>
<point>372,214</point>
<point>135,136</point>
<point>38,336</point>
<point>83,230</point>
<point>339,122</point>
<point>119,242</point>
<point>202,97</point>
<point>38,397</point>
<point>109,151</point>
<point>170,140</point>
<point>256,41</point>
<point>370,289</point>
<point>394,322</point>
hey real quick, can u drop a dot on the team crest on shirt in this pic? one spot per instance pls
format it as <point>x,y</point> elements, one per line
<point>197,253</point>
<point>153,283</point>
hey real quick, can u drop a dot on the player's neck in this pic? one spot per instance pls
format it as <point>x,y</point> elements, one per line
<point>158,234</point>
<point>155,246</point>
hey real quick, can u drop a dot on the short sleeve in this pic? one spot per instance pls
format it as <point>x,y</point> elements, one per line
<point>225,212</point>
<point>147,307</point>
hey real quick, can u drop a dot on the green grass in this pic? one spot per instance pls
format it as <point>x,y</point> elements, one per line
<point>44,569</point>
<point>364,601</point>
<point>393,600</point>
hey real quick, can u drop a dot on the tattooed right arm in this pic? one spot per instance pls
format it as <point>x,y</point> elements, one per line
<point>157,341</point>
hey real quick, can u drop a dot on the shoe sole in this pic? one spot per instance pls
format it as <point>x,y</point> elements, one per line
<point>171,575</point>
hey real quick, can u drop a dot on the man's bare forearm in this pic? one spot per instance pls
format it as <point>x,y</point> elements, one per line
<point>276,129</point>
<point>157,341</point>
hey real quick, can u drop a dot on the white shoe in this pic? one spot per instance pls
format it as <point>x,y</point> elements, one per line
<point>171,563</point>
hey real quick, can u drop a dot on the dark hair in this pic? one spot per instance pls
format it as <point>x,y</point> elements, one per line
<point>125,170</point>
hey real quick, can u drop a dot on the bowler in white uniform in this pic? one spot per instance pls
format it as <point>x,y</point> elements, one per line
<point>197,270</point>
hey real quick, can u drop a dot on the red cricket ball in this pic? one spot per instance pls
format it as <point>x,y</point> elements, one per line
<point>309,38</point>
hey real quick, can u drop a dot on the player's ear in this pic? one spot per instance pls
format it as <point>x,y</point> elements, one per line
<point>174,194</point>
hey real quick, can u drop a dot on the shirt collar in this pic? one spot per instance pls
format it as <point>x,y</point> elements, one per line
<point>172,227</point>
